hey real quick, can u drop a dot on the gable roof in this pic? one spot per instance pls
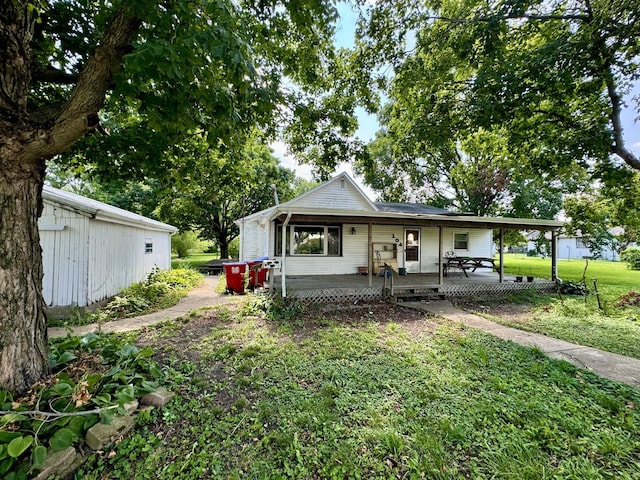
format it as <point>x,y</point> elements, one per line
<point>323,203</point>
<point>415,208</point>
<point>102,211</point>
<point>341,187</point>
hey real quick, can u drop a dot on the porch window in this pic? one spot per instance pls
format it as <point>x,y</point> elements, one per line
<point>310,240</point>
<point>461,241</point>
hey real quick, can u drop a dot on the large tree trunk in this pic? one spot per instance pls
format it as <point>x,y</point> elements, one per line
<point>27,140</point>
<point>23,333</point>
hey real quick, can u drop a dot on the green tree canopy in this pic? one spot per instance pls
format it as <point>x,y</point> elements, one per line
<point>549,76</point>
<point>151,73</point>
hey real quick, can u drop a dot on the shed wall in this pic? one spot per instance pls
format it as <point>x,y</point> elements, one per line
<point>64,256</point>
<point>117,257</point>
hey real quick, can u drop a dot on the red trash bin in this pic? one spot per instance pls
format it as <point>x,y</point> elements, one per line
<point>257,274</point>
<point>234,273</point>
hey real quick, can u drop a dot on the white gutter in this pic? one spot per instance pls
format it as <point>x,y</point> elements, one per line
<point>284,255</point>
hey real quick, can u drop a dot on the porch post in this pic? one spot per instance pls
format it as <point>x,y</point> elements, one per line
<point>370,253</point>
<point>554,256</point>
<point>283,264</point>
<point>501,244</point>
<point>440,255</point>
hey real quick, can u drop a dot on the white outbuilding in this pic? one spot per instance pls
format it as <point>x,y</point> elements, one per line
<point>91,250</point>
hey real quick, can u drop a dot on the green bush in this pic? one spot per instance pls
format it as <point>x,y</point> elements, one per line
<point>186,242</point>
<point>234,248</point>
<point>631,256</point>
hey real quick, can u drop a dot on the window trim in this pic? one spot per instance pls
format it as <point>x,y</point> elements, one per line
<point>325,244</point>
<point>455,247</point>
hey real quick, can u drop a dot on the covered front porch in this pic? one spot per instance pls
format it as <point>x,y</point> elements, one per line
<point>394,287</point>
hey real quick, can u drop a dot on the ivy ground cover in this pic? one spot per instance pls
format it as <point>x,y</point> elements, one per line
<point>374,392</point>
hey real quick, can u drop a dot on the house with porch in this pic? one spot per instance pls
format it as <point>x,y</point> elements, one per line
<point>333,242</point>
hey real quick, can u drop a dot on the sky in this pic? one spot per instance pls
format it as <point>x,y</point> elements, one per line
<point>368,124</point>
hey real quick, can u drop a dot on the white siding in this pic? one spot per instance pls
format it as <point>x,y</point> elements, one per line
<point>334,195</point>
<point>252,240</point>
<point>90,260</point>
<point>430,250</point>
<point>64,255</point>
<point>117,257</point>
<point>480,242</point>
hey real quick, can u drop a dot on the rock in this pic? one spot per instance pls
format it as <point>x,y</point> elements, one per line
<point>57,463</point>
<point>101,436</point>
<point>158,398</point>
<point>131,406</point>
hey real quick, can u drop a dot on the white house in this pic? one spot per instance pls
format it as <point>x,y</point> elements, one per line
<point>92,250</point>
<point>335,229</point>
<point>572,247</point>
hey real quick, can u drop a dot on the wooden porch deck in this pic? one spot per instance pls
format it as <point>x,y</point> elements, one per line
<point>352,287</point>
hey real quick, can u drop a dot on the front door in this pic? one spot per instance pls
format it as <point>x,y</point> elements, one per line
<point>412,250</point>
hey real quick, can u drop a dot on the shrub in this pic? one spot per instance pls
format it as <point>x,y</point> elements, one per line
<point>234,248</point>
<point>185,242</point>
<point>631,256</point>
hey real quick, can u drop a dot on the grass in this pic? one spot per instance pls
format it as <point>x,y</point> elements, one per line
<point>579,319</point>
<point>194,260</point>
<point>614,277</point>
<point>323,398</point>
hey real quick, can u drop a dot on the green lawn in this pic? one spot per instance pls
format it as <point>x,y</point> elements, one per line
<point>194,260</point>
<point>615,277</point>
<point>407,398</point>
<point>578,319</point>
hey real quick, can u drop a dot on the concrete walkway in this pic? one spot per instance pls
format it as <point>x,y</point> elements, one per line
<point>199,297</point>
<point>607,365</point>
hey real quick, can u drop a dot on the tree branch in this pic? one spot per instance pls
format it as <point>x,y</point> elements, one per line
<point>54,75</point>
<point>81,111</point>
<point>55,415</point>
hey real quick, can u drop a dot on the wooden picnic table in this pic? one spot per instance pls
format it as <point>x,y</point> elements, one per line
<point>468,263</point>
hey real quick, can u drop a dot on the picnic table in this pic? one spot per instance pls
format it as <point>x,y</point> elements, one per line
<point>468,263</point>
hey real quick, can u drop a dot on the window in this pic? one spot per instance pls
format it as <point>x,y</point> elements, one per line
<point>580,243</point>
<point>148,245</point>
<point>461,241</point>
<point>310,240</point>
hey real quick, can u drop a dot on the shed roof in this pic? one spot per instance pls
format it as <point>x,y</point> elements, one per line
<point>102,211</point>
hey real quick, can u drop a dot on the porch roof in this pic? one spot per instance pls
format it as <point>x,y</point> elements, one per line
<point>315,215</point>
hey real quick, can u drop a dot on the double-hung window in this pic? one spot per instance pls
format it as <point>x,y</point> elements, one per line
<point>461,241</point>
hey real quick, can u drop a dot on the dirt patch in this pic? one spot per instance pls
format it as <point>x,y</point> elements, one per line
<point>510,311</point>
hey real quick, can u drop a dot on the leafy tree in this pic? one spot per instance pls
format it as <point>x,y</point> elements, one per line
<point>185,242</point>
<point>159,70</point>
<point>212,189</point>
<point>549,75</point>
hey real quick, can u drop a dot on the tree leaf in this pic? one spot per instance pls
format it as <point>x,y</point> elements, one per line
<point>6,465</point>
<point>106,417</point>
<point>38,456</point>
<point>62,389</point>
<point>10,418</point>
<point>18,445</point>
<point>62,439</point>
<point>65,358</point>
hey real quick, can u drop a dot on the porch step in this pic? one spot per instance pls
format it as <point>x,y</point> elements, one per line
<point>415,293</point>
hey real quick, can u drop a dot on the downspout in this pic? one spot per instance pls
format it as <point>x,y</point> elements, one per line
<point>284,255</point>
